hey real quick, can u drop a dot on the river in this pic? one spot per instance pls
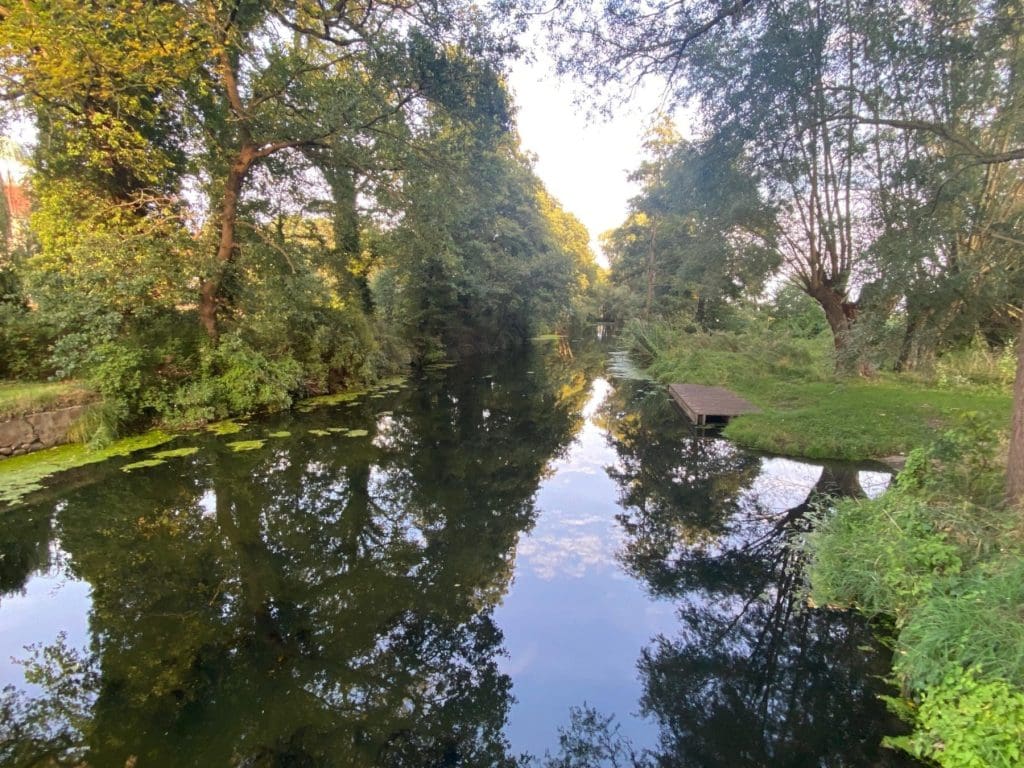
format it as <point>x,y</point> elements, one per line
<point>517,561</point>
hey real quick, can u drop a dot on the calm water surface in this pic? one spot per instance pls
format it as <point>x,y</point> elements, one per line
<point>519,557</point>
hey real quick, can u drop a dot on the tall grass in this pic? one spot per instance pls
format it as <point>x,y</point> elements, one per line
<point>944,558</point>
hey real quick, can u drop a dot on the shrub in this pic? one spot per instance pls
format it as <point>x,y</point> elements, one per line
<point>976,622</point>
<point>235,378</point>
<point>880,555</point>
<point>964,722</point>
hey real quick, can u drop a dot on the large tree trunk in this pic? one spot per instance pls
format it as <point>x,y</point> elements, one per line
<point>209,291</point>
<point>1015,459</point>
<point>909,355</point>
<point>837,314</point>
<point>840,315</point>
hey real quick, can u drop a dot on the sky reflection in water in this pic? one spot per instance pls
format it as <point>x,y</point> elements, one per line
<point>506,543</point>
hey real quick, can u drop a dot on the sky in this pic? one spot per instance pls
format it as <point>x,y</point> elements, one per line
<point>583,163</point>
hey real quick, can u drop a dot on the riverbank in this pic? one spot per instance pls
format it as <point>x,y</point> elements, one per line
<point>938,559</point>
<point>26,474</point>
<point>942,558</point>
<point>806,410</point>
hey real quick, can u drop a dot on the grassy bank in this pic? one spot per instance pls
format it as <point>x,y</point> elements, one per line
<point>809,411</point>
<point>939,555</point>
<point>19,397</point>
<point>942,558</point>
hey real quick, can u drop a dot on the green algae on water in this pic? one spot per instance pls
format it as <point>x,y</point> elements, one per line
<point>337,429</point>
<point>142,464</point>
<point>319,432</point>
<point>357,433</point>
<point>393,382</point>
<point>335,399</point>
<point>21,475</point>
<point>246,445</point>
<point>280,434</point>
<point>175,453</point>
<point>226,427</point>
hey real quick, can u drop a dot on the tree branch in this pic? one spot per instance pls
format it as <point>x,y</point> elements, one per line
<point>980,155</point>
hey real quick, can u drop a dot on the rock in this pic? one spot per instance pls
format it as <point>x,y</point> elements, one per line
<point>35,431</point>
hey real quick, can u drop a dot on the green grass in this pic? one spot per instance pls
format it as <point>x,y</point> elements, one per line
<point>808,411</point>
<point>861,419</point>
<point>943,556</point>
<point>20,397</point>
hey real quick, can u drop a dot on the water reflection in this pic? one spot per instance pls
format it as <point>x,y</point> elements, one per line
<point>381,599</point>
<point>300,605</point>
<point>751,677</point>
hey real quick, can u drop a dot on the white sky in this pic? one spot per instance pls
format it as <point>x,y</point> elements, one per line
<point>584,164</point>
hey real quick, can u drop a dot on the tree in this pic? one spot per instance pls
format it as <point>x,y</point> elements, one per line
<point>482,256</point>
<point>699,236</point>
<point>815,90</point>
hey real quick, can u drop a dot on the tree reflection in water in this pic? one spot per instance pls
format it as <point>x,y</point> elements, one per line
<point>328,601</point>
<point>753,677</point>
<point>314,603</point>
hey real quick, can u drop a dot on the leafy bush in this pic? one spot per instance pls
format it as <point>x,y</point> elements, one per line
<point>977,364</point>
<point>794,313</point>
<point>964,722</point>
<point>24,343</point>
<point>235,378</point>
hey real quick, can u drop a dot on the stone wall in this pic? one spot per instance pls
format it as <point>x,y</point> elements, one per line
<point>35,431</point>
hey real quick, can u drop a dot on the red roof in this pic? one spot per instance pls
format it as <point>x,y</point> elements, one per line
<point>17,200</point>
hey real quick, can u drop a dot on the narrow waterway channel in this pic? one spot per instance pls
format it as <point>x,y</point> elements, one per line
<point>457,572</point>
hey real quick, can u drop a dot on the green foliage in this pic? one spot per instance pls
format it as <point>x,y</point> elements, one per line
<point>881,555</point>
<point>964,722</point>
<point>24,340</point>
<point>977,364</point>
<point>806,409</point>
<point>975,622</point>
<point>121,266</point>
<point>794,313</point>
<point>698,239</point>
<point>236,379</point>
<point>483,257</point>
<point>940,554</point>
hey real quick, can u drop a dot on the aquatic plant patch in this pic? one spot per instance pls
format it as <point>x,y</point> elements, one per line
<point>144,464</point>
<point>21,475</point>
<point>246,445</point>
<point>175,453</point>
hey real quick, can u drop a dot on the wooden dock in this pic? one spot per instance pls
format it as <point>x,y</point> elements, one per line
<point>709,405</point>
